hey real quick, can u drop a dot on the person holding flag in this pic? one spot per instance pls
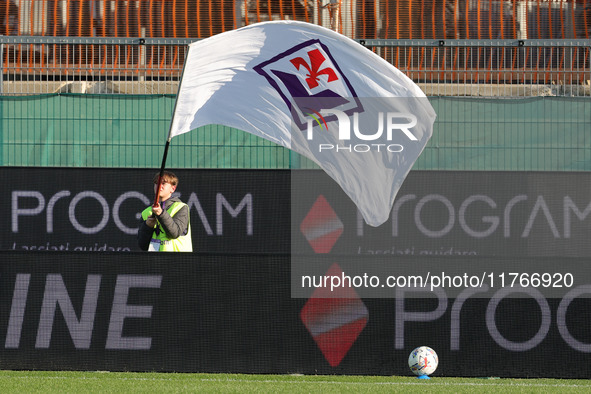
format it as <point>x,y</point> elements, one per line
<point>165,226</point>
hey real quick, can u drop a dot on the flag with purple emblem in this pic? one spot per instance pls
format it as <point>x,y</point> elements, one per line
<point>316,92</point>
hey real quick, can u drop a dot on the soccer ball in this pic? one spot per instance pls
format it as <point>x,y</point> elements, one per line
<point>423,361</point>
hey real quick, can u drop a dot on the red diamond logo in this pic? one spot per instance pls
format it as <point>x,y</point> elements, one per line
<point>321,226</point>
<point>334,318</point>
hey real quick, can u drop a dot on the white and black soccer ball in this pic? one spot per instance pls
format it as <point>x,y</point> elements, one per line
<point>423,361</point>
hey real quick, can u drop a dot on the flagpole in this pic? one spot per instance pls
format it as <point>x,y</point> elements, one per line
<point>161,173</point>
<point>163,165</point>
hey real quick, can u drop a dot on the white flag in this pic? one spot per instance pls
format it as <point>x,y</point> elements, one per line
<point>316,92</point>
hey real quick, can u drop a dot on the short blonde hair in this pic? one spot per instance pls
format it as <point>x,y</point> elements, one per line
<point>167,177</point>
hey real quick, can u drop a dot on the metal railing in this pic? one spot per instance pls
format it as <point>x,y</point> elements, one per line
<point>38,65</point>
<point>492,67</point>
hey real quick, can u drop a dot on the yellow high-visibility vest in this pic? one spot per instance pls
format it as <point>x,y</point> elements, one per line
<point>161,241</point>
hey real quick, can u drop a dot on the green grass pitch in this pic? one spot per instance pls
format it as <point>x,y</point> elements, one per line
<point>128,382</point>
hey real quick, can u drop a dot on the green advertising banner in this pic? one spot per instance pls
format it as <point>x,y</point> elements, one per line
<point>84,130</point>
